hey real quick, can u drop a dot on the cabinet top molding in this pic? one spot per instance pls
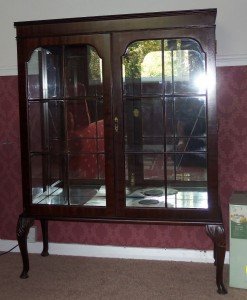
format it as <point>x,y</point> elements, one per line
<point>114,23</point>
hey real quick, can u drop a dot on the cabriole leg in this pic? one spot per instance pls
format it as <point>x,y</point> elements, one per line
<point>44,227</point>
<point>23,226</point>
<point>217,234</point>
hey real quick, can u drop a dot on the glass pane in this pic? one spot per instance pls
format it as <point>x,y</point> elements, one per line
<point>145,180</point>
<point>185,66</point>
<point>86,178</point>
<point>190,144</point>
<point>88,195</point>
<point>168,68</point>
<point>153,165</point>
<point>96,109</point>
<point>39,186</point>
<point>191,167</point>
<point>142,68</point>
<point>83,166</point>
<point>34,75</point>
<point>87,140</point>
<point>84,115</point>
<point>144,125</point>
<point>188,197</point>
<point>44,73</point>
<point>67,128</point>
<point>55,116</point>
<point>165,127</point>
<point>152,117</point>
<point>81,195</point>
<point>95,72</point>
<point>86,170</point>
<point>47,180</point>
<point>83,71</point>
<point>79,145</point>
<point>187,174</point>
<point>190,115</point>
<point>52,88</point>
<point>101,164</point>
<point>87,184</point>
<point>78,116</point>
<point>37,142</point>
<point>169,117</point>
<point>46,126</point>
<point>170,167</point>
<point>187,167</point>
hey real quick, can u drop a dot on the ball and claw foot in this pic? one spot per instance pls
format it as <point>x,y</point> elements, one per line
<point>24,275</point>
<point>221,289</point>
<point>44,253</point>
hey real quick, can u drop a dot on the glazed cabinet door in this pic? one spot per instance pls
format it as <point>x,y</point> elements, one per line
<point>166,149</point>
<point>66,108</point>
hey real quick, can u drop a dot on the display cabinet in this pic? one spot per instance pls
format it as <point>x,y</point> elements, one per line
<point>118,122</point>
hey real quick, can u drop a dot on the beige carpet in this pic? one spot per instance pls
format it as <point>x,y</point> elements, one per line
<point>65,277</point>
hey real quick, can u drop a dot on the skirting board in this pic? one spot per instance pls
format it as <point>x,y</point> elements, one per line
<point>186,255</point>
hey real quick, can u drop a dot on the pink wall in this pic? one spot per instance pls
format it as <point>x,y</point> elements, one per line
<point>232,107</point>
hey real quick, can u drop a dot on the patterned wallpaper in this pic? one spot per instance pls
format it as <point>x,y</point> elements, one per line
<point>10,176</point>
<point>232,107</point>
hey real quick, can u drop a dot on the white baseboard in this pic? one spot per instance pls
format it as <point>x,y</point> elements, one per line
<point>186,255</point>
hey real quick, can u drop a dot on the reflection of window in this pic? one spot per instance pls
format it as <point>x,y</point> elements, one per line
<point>180,61</point>
<point>176,63</point>
<point>94,66</point>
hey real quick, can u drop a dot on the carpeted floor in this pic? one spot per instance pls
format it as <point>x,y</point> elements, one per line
<point>65,277</point>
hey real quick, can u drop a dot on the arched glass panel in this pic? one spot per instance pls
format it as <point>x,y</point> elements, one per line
<point>164,97</point>
<point>66,137</point>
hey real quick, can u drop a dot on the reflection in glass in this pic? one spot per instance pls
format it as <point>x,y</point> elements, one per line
<point>135,69</point>
<point>86,161</point>
<point>35,127</point>
<point>47,180</point>
<point>189,198</point>
<point>78,115</point>
<point>146,116</point>
<point>83,71</point>
<point>190,114</point>
<point>53,63</point>
<point>175,66</point>
<point>55,113</point>
<point>165,124</point>
<point>34,75</point>
<point>66,109</point>
<point>85,166</point>
<point>43,73</point>
<point>46,127</point>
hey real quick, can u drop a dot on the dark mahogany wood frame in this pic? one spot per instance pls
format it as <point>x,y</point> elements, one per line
<point>110,34</point>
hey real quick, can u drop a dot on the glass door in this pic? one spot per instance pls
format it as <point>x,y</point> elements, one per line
<point>164,124</point>
<point>164,128</point>
<point>68,98</point>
